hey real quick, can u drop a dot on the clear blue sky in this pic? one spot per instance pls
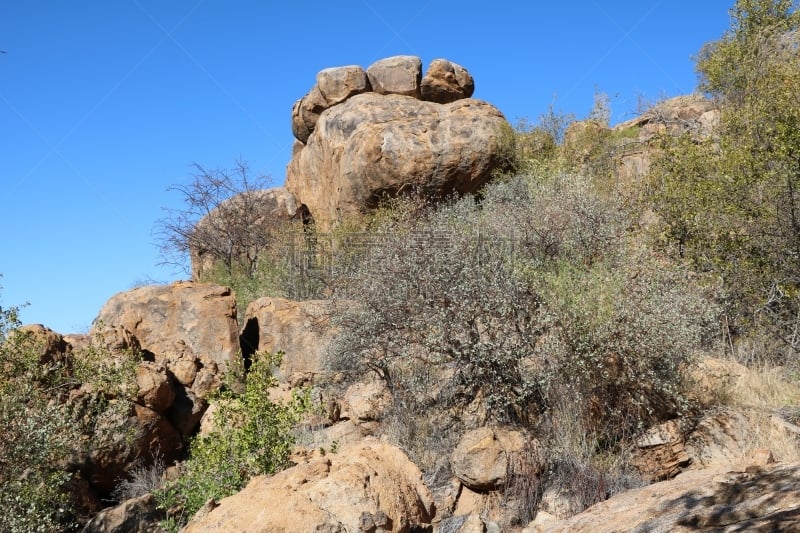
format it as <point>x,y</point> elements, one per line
<point>105,103</point>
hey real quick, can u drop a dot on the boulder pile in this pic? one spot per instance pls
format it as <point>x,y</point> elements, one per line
<point>364,135</point>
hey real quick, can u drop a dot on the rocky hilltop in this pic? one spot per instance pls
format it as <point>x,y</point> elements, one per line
<point>361,136</point>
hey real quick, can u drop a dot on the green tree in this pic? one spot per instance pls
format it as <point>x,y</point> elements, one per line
<point>731,202</point>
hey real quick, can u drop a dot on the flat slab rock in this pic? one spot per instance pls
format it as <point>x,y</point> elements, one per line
<point>719,499</point>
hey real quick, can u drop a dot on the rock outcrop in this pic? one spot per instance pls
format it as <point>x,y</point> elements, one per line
<point>187,335</point>
<point>301,330</point>
<point>183,321</point>
<point>363,141</point>
<point>367,486</point>
<point>688,114</point>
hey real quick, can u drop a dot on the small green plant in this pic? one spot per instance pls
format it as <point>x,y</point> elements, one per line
<point>251,436</point>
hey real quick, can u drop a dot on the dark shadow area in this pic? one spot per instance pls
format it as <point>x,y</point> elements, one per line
<point>248,342</point>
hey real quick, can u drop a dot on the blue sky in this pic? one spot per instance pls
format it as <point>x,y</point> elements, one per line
<point>105,103</point>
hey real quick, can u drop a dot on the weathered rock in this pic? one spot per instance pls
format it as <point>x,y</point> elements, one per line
<point>51,345</point>
<point>365,483</point>
<point>252,217</point>
<point>202,316</point>
<point>720,437</point>
<point>757,499</point>
<point>207,380</point>
<point>365,400</point>
<point>301,330</point>
<point>691,114</point>
<point>306,112</point>
<point>469,502</point>
<point>446,82</point>
<point>481,458</point>
<point>337,84</point>
<point>157,437</point>
<point>661,453</point>
<point>137,515</point>
<point>373,146</point>
<point>334,85</point>
<point>396,75</point>
<point>154,389</point>
<point>184,370</point>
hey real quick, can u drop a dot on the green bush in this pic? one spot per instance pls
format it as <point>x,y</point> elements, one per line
<point>251,436</point>
<point>46,432</point>
<point>439,314</point>
<point>39,435</point>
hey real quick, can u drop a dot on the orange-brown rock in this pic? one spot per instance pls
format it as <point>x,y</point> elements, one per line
<point>482,457</point>
<point>51,345</point>
<point>396,75</point>
<point>372,146</point>
<point>367,486</point>
<point>661,452</point>
<point>301,330</point>
<point>200,315</point>
<point>154,389</point>
<point>446,82</point>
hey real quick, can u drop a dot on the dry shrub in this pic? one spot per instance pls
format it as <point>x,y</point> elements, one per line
<point>580,469</point>
<point>143,479</point>
<point>522,492</point>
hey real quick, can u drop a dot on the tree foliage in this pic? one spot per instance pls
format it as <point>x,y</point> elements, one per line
<point>731,202</point>
<point>500,309</point>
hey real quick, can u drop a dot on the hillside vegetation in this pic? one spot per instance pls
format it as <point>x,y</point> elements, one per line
<point>560,300</point>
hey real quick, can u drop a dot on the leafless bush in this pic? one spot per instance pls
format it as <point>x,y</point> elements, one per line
<point>226,217</point>
<point>142,480</point>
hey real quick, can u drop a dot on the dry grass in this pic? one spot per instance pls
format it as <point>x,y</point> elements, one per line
<point>768,395</point>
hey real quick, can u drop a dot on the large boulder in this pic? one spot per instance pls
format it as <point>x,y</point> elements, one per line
<point>396,75</point>
<point>367,486</point>
<point>301,330</point>
<point>482,458</point>
<point>720,499</point>
<point>372,146</point>
<point>185,320</point>
<point>364,135</point>
<point>334,85</point>
<point>446,82</point>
